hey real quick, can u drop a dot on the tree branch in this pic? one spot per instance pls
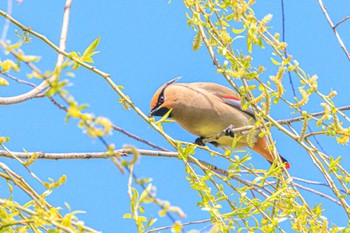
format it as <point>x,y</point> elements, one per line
<point>334,28</point>
<point>87,155</point>
<point>5,202</point>
<point>62,47</point>
<point>7,22</point>
<point>286,121</point>
<point>318,193</point>
<point>104,75</point>
<point>341,21</point>
<point>182,224</point>
<point>125,152</point>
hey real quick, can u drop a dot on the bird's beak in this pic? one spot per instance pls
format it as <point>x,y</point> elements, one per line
<point>160,111</point>
<point>153,111</point>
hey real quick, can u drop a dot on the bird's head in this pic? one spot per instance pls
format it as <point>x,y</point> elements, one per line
<point>161,102</point>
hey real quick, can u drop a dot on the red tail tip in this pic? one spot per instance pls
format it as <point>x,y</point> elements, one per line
<point>287,165</point>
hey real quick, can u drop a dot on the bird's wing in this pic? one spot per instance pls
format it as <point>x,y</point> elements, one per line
<point>226,94</point>
<point>236,103</point>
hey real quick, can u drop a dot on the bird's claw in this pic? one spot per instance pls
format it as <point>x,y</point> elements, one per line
<point>199,141</point>
<point>229,131</point>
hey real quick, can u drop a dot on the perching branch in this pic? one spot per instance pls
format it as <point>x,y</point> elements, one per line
<point>286,121</point>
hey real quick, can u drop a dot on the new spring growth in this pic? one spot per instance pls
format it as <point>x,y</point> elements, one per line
<point>305,126</point>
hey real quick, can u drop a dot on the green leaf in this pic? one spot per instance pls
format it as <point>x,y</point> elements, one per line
<point>250,45</point>
<point>134,199</point>
<point>151,222</point>
<point>177,227</point>
<point>145,194</point>
<point>88,59</point>
<point>3,82</point>
<point>29,58</point>
<point>142,219</point>
<point>164,117</point>
<point>7,65</point>
<point>224,23</point>
<point>4,139</point>
<point>237,31</point>
<point>13,46</point>
<point>127,216</point>
<point>74,54</point>
<point>90,50</point>
<point>230,17</point>
<point>70,74</point>
<point>275,62</point>
<point>50,231</point>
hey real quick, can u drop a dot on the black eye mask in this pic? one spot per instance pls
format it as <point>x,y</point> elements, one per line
<point>161,97</point>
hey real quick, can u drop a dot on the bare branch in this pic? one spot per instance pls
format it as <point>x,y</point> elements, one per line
<point>318,193</point>
<point>131,135</point>
<point>104,155</point>
<point>286,121</point>
<point>334,28</point>
<point>87,155</point>
<point>314,183</point>
<point>35,69</point>
<point>21,162</point>
<point>341,21</point>
<point>62,47</point>
<point>7,22</point>
<point>182,224</point>
<point>17,79</point>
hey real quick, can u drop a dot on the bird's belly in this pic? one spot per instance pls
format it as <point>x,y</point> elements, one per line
<point>203,126</point>
<point>207,121</point>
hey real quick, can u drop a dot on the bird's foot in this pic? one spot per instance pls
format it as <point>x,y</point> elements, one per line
<point>199,141</point>
<point>229,131</point>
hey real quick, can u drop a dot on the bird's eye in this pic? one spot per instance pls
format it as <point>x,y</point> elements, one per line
<point>161,99</point>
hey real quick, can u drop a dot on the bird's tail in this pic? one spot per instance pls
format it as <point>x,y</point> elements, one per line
<point>261,146</point>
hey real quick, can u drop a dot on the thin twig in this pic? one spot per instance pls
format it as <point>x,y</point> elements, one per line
<point>289,72</point>
<point>21,162</point>
<point>7,22</point>
<point>341,21</point>
<point>60,106</point>
<point>62,47</point>
<point>286,121</point>
<point>131,135</point>
<point>285,50</point>
<point>17,79</point>
<point>314,183</point>
<point>333,28</point>
<point>54,221</point>
<point>318,193</point>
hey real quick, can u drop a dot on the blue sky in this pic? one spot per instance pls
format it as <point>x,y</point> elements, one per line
<point>143,45</point>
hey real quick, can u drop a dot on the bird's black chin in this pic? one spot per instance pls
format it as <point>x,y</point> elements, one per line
<point>159,112</point>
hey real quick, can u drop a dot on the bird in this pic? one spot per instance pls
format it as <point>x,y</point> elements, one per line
<point>205,109</point>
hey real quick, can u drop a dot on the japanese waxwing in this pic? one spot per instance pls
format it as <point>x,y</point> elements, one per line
<point>205,109</point>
